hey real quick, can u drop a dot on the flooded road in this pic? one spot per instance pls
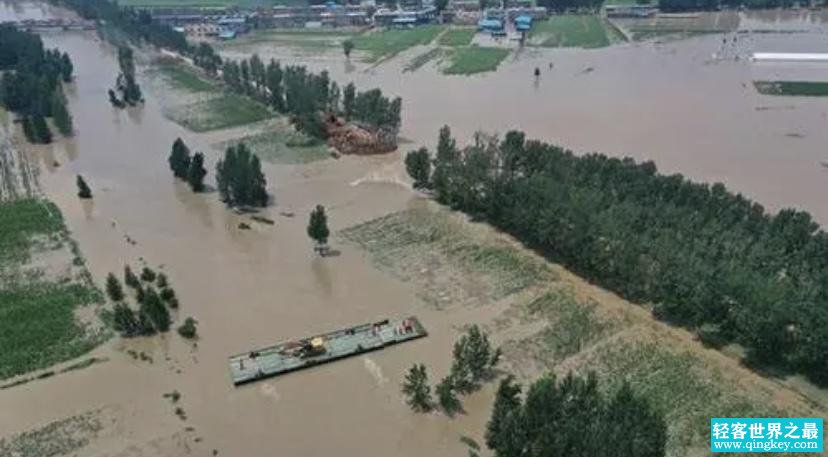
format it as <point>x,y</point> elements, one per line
<point>247,289</point>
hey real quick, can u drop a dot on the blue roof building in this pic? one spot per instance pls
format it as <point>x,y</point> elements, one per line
<point>490,25</point>
<point>523,23</point>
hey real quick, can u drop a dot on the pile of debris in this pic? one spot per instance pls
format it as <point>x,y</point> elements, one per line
<point>348,138</point>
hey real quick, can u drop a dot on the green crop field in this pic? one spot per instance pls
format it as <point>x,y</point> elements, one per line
<point>182,77</point>
<point>281,145</point>
<point>38,324</point>
<point>793,88</point>
<point>388,43</point>
<point>469,60</point>
<point>572,30</point>
<point>225,111</point>
<point>457,36</point>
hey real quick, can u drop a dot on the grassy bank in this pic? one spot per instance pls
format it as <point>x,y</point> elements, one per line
<point>572,30</point>
<point>421,60</point>
<point>39,322</point>
<point>792,88</point>
<point>182,77</point>
<point>474,59</point>
<point>388,43</point>
<point>457,36</point>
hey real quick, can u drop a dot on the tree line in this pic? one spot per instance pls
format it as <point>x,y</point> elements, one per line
<point>32,83</point>
<point>572,417</point>
<point>561,6</point>
<point>305,96</point>
<point>704,257</point>
<point>291,90</point>
<point>473,362</point>
<point>127,91</point>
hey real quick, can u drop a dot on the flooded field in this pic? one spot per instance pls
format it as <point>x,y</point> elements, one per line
<point>671,102</point>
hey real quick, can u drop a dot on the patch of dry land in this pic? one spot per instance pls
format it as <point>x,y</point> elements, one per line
<point>549,320</point>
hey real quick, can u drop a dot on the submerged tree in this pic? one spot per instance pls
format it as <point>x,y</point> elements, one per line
<point>418,165</point>
<point>125,321</point>
<point>113,288</point>
<point>188,328</point>
<point>447,397</point>
<point>154,308</point>
<point>60,114</point>
<point>474,359</point>
<point>347,47</point>
<point>507,401</point>
<point>130,279</point>
<point>416,388</point>
<point>239,178</point>
<point>318,228</point>
<point>197,172</point>
<point>147,274</point>
<point>83,189</point>
<point>179,159</point>
<point>125,84</point>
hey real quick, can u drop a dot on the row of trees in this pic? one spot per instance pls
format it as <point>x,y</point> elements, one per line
<point>290,90</point>
<point>127,91</point>
<point>190,169</point>
<point>711,5</point>
<point>306,96</point>
<point>704,257</point>
<point>239,178</point>
<point>573,418</point>
<point>474,361</point>
<point>571,5</point>
<point>31,85</point>
<point>152,314</point>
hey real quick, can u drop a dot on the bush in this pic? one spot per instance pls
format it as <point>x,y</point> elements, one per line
<point>188,329</point>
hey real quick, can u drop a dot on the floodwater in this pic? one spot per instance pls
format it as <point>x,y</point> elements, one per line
<point>666,102</point>
<point>672,102</point>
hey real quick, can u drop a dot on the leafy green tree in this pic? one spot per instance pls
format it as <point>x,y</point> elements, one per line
<point>113,288</point>
<point>418,165</point>
<point>555,418</point>
<point>83,189</point>
<point>130,279</point>
<point>416,388</point>
<point>60,114</point>
<point>66,68</point>
<point>507,403</point>
<point>125,321</point>
<point>446,163</point>
<point>161,281</point>
<point>188,329</point>
<point>440,5</point>
<point>347,47</point>
<point>239,178</point>
<point>179,159</point>
<point>318,227</point>
<point>154,308</point>
<point>446,396</point>
<point>41,130</point>
<point>348,100</point>
<point>147,274</point>
<point>473,361</point>
<point>197,172</point>
<point>167,294</point>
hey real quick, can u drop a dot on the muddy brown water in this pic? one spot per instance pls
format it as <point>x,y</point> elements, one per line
<point>251,288</point>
